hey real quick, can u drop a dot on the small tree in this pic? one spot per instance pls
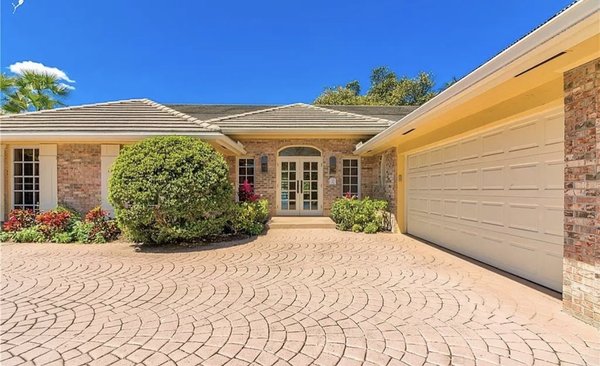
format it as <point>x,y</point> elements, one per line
<point>170,189</point>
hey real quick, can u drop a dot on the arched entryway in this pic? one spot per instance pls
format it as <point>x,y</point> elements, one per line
<point>299,181</point>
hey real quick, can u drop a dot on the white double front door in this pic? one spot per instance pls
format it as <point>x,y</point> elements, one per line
<point>300,186</point>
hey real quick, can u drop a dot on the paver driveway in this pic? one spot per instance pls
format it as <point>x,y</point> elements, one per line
<point>291,297</point>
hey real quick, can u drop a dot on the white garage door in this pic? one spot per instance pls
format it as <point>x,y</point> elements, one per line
<point>496,196</point>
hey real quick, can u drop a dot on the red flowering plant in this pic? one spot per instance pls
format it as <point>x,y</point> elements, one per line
<point>19,219</point>
<point>246,193</point>
<point>52,222</point>
<point>97,227</point>
<point>96,215</point>
<point>350,196</point>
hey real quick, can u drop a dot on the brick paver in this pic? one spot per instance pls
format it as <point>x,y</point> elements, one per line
<point>295,297</point>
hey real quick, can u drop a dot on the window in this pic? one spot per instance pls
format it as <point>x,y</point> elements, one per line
<point>350,177</point>
<point>299,151</point>
<point>26,178</point>
<point>246,171</point>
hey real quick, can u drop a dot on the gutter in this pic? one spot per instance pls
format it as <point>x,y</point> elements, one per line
<point>570,17</point>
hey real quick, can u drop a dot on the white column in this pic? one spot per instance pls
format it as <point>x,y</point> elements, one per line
<point>48,177</point>
<point>108,155</point>
<point>3,194</point>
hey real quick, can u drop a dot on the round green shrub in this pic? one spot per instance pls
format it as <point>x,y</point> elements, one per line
<point>371,228</point>
<point>357,228</point>
<point>170,189</point>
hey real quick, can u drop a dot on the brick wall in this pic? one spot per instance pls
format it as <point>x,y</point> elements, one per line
<point>79,176</point>
<point>265,183</point>
<point>378,185</point>
<point>581,281</point>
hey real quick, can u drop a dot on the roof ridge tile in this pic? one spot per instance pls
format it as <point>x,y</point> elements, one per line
<point>218,119</point>
<point>335,111</point>
<point>187,117</point>
<point>74,107</point>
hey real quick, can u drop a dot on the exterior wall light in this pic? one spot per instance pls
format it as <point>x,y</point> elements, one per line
<point>264,163</point>
<point>332,165</point>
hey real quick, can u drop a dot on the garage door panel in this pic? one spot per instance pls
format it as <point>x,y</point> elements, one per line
<point>469,210</point>
<point>469,179</point>
<point>554,171</point>
<point>470,149</point>
<point>524,176</point>
<point>493,143</point>
<point>496,196</point>
<point>523,136</point>
<point>523,217</point>
<point>554,131</point>
<point>553,221</point>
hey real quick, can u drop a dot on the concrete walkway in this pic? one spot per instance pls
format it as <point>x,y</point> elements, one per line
<point>294,297</point>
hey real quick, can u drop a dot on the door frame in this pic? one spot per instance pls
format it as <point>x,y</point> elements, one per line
<point>299,160</point>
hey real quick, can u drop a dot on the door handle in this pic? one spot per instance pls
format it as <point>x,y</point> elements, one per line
<point>301,187</point>
<point>297,186</point>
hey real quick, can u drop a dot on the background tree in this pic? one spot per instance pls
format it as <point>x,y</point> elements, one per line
<point>31,91</point>
<point>386,89</point>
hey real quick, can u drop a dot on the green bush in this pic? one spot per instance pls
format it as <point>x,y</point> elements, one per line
<point>82,232</point>
<point>250,217</point>
<point>5,236</point>
<point>170,189</point>
<point>371,228</point>
<point>359,214</point>
<point>64,237</point>
<point>30,234</point>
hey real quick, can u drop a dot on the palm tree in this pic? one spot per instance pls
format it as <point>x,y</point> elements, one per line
<point>31,91</point>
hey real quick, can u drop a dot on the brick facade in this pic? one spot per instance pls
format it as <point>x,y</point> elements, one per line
<point>377,183</point>
<point>266,183</point>
<point>581,281</point>
<point>78,178</point>
<point>370,173</point>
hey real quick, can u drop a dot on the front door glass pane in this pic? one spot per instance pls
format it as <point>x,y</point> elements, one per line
<point>310,186</point>
<point>288,186</point>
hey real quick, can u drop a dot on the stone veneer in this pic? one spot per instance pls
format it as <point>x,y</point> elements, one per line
<point>78,176</point>
<point>581,281</point>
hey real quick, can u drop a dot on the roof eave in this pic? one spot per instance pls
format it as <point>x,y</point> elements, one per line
<point>95,136</point>
<point>297,131</point>
<point>485,73</point>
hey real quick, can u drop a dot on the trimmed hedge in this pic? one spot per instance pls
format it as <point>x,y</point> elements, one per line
<point>170,189</point>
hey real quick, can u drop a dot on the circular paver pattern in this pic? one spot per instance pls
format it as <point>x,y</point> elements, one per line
<point>294,297</point>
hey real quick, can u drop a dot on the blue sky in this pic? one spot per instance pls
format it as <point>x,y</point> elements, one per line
<point>255,52</point>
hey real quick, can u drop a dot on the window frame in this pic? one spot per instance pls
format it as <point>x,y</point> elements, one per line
<point>11,174</point>
<point>358,175</point>
<point>237,171</point>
